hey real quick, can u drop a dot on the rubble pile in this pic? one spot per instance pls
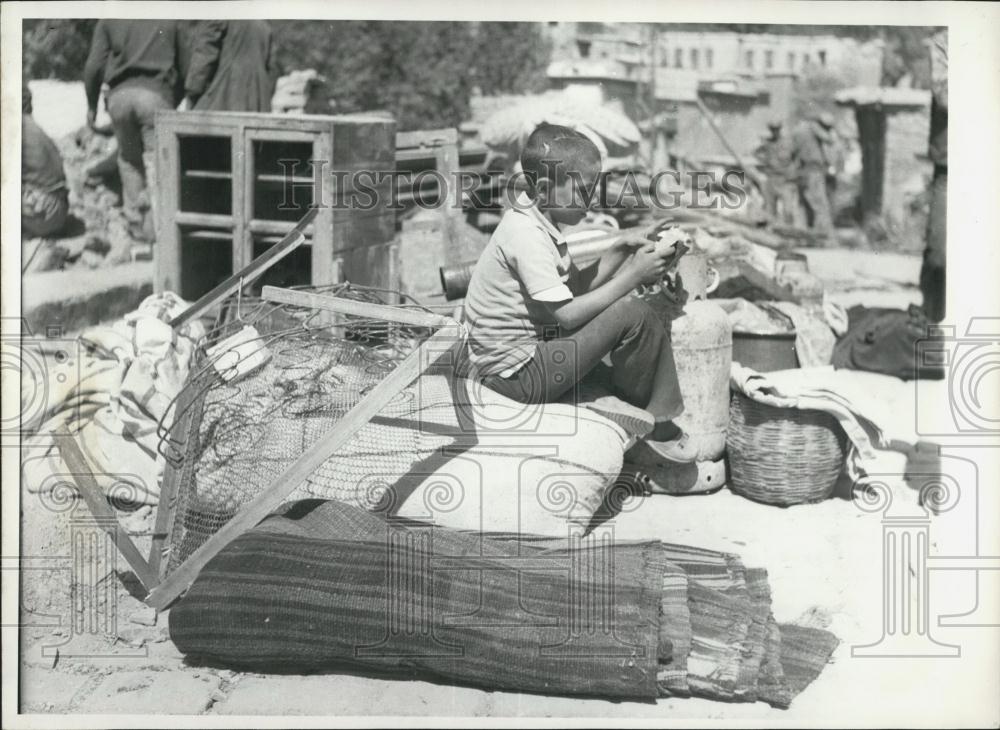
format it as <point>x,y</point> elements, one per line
<point>97,234</point>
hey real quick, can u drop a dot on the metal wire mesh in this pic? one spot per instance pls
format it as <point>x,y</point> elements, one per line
<point>230,440</point>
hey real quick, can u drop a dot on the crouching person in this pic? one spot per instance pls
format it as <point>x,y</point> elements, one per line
<point>44,196</point>
<point>538,324</point>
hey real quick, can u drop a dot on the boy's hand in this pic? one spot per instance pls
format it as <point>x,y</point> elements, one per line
<point>635,237</point>
<point>653,230</point>
<point>646,266</point>
<point>631,242</point>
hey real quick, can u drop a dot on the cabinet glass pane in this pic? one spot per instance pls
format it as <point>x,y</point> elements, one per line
<point>293,270</point>
<point>206,169</point>
<point>283,180</point>
<point>206,259</point>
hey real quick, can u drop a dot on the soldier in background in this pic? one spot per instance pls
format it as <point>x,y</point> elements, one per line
<point>775,159</point>
<point>811,145</point>
<point>833,151</point>
<point>932,272</point>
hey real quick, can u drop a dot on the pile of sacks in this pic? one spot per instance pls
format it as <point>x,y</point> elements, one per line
<point>298,93</point>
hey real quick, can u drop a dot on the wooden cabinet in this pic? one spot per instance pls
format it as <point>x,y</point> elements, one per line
<point>230,184</point>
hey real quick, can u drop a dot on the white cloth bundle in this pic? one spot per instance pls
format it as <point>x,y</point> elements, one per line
<point>129,377</point>
<point>810,389</point>
<point>239,354</point>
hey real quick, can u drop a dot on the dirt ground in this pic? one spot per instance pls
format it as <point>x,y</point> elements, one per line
<point>825,563</point>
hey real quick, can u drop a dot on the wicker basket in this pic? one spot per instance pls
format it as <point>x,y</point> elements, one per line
<point>782,456</point>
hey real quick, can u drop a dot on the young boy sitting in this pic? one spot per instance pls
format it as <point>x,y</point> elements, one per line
<point>538,324</point>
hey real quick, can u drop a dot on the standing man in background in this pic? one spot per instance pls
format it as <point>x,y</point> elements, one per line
<point>833,152</point>
<point>142,63</point>
<point>774,156</point>
<point>810,149</point>
<point>232,67</point>
<point>932,273</point>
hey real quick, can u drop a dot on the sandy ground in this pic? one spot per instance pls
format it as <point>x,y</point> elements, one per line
<point>825,563</point>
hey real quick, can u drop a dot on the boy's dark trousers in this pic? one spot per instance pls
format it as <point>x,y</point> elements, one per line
<point>643,370</point>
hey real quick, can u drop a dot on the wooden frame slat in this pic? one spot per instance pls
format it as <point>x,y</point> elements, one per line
<point>93,495</point>
<point>264,503</point>
<point>354,308</point>
<point>166,507</point>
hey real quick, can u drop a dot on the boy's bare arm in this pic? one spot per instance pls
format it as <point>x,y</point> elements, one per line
<point>600,272</point>
<point>645,267</point>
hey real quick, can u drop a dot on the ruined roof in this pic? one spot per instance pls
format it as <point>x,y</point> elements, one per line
<point>883,95</point>
<point>588,69</point>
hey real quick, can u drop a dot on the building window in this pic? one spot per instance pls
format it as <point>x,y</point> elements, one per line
<point>694,58</point>
<point>791,61</point>
<point>664,56</point>
<point>584,48</point>
<point>708,58</point>
<point>805,60</point>
<point>768,60</point>
<point>678,58</point>
<point>748,59</point>
<point>822,57</point>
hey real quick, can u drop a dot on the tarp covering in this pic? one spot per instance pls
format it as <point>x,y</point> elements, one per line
<point>511,126</point>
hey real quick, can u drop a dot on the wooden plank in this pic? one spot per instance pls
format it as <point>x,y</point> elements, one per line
<point>321,261</point>
<point>352,307</point>
<point>207,234</point>
<point>277,228</point>
<point>241,153</point>
<point>168,486</point>
<point>96,500</point>
<point>26,259</point>
<point>426,138</point>
<point>204,220</point>
<point>314,457</point>
<point>208,174</point>
<point>447,167</point>
<point>272,129</point>
<point>258,266</point>
<point>167,258</point>
<point>206,123</point>
<point>766,283</point>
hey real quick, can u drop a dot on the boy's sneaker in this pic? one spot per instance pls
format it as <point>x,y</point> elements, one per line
<point>680,450</point>
<point>634,421</point>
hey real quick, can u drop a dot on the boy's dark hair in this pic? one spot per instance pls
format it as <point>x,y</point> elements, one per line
<point>553,151</point>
